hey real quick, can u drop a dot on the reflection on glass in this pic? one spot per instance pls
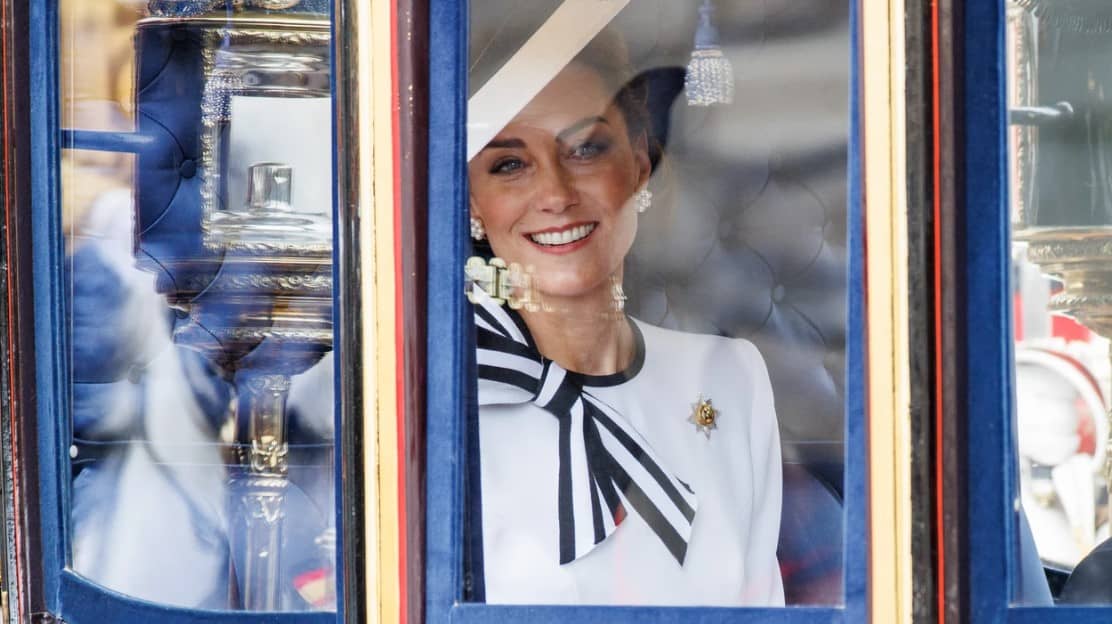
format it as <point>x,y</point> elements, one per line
<point>1060,139</point>
<point>97,88</point>
<point>658,283</point>
<point>199,298</point>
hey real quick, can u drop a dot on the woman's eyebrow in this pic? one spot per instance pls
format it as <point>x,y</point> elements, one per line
<point>496,143</point>
<point>579,125</point>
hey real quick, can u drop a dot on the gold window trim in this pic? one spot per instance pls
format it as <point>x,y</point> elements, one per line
<point>887,321</point>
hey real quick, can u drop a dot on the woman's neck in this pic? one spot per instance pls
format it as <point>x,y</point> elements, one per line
<point>583,337</point>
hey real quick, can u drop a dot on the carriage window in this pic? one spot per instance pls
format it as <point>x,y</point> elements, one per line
<point>1061,209</point>
<point>196,201</point>
<point>658,279</point>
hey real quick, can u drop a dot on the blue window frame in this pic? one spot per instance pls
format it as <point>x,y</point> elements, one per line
<point>67,594</point>
<point>987,304</point>
<point>995,567</point>
<point>451,373</point>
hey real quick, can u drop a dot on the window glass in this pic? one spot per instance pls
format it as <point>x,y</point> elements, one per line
<point>658,203</point>
<point>196,215</point>
<point>97,89</point>
<point>1058,72</point>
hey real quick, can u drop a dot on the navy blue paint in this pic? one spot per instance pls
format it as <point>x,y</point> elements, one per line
<point>474,566</point>
<point>1060,615</point>
<point>50,361</point>
<point>993,565</point>
<point>856,465</point>
<point>486,614</point>
<point>101,141</point>
<point>450,376</point>
<point>988,401</point>
<point>85,602</point>
<point>447,313</point>
<point>340,219</point>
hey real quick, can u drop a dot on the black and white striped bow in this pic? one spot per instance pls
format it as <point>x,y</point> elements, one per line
<point>604,464</point>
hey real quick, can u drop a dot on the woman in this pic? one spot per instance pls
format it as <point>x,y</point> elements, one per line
<point>666,483</point>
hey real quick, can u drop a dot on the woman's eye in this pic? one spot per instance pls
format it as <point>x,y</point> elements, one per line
<point>506,165</point>
<point>589,149</point>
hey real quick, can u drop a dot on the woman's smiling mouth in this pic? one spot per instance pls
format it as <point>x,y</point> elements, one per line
<point>563,237</point>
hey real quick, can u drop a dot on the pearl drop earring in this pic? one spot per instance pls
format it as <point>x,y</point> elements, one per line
<point>617,295</point>
<point>644,199</point>
<point>477,231</point>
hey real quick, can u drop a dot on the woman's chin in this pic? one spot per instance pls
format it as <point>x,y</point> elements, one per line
<point>572,288</point>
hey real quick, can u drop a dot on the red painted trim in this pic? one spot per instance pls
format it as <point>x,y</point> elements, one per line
<point>936,180</point>
<point>399,317</point>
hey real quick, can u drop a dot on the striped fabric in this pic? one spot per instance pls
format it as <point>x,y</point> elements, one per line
<point>605,466</point>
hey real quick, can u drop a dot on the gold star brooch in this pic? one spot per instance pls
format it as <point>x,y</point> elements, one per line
<point>703,416</point>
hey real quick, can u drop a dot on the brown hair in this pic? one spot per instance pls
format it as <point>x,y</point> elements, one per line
<point>608,56</point>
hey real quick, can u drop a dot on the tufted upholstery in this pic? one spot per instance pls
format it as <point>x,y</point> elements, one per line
<point>754,252</point>
<point>759,259</point>
<point>168,207</point>
<point>747,238</point>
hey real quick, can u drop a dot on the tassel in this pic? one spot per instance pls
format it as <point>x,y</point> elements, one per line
<point>710,76</point>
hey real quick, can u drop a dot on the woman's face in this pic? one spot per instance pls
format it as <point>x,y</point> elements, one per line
<point>554,188</point>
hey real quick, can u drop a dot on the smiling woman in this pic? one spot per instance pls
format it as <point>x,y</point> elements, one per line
<point>553,191</point>
<point>666,484</point>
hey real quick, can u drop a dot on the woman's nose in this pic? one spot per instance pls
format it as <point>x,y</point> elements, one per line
<point>556,189</point>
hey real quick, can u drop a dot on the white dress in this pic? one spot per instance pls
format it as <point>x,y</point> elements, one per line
<point>736,475</point>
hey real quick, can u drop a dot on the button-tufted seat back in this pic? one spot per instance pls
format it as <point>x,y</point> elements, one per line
<point>747,238</point>
<point>757,252</point>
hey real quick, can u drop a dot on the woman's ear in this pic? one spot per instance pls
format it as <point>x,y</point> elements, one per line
<point>472,206</point>
<point>644,163</point>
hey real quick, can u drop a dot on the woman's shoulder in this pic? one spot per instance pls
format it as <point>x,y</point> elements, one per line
<point>719,366</point>
<point>677,343</point>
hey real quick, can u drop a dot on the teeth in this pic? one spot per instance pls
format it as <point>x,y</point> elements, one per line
<point>564,237</point>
